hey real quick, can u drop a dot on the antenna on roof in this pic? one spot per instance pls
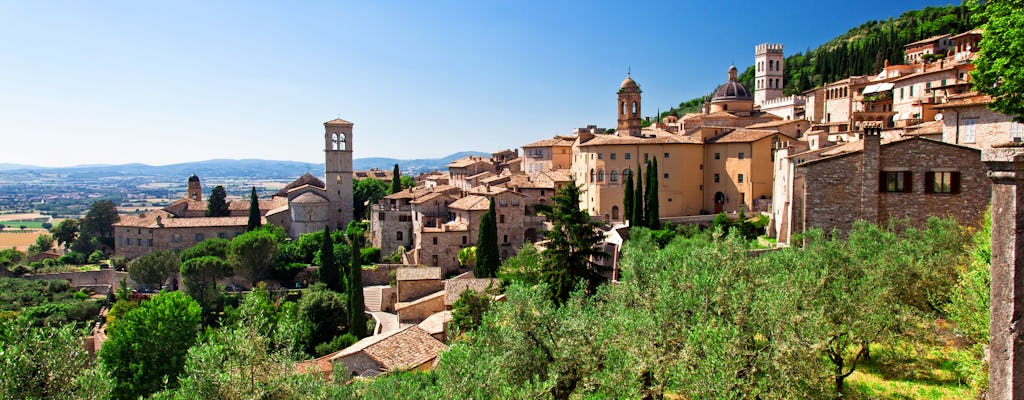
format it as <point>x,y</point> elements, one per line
<point>629,70</point>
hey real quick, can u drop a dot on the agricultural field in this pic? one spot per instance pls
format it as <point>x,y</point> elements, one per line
<point>19,239</point>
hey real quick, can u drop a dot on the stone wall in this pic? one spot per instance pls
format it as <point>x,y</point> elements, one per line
<point>92,279</point>
<point>991,127</point>
<point>417,311</point>
<point>412,290</point>
<point>380,274</point>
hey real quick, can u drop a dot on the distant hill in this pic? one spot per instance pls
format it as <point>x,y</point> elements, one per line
<point>224,168</point>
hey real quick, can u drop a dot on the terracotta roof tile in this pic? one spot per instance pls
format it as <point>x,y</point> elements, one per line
<point>471,202</point>
<point>408,348</point>
<point>742,136</point>
<point>453,288</point>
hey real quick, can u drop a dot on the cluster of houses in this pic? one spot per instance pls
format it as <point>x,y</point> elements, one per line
<point>902,143</point>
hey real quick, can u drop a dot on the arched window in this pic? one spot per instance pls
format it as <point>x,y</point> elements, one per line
<point>614,176</point>
<point>622,108</point>
<point>339,141</point>
<point>615,213</point>
<point>636,108</point>
<point>591,175</point>
<point>600,175</point>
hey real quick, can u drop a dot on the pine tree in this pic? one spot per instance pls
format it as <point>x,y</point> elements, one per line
<point>627,197</point>
<point>329,274</point>
<point>254,211</point>
<point>217,206</point>
<point>356,306</point>
<point>637,214</point>
<point>487,259</point>
<point>396,180</point>
<point>572,246</point>
<point>652,219</point>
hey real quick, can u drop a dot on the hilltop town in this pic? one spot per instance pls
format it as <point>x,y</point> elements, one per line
<point>387,271</point>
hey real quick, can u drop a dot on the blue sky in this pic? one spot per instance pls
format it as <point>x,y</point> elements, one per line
<point>86,82</point>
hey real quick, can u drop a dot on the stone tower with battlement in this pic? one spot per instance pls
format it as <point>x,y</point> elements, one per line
<point>629,108</point>
<point>768,64</point>
<point>338,171</point>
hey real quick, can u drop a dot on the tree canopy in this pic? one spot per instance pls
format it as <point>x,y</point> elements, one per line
<point>487,255</point>
<point>571,250</point>
<point>154,269</point>
<point>253,253</point>
<point>217,205</point>
<point>254,212</point>
<point>999,68</point>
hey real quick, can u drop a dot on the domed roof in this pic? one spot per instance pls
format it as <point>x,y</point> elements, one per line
<point>629,85</point>
<point>193,178</point>
<point>731,90</point>
<point>306,179</point>
<point>309,198</point>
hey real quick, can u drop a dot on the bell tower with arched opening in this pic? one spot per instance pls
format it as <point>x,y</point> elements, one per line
<point>195,189</point>
<point>338,171</point>
<point>629,108</point>
<point>768,72</point>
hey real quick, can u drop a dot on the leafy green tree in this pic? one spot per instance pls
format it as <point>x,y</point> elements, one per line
<point>396,180</point>
<point>468,310</point>
<point>572,246</point>
<point>46,363</point>
<point>252,253</point>
<point>254,211</point>
<point>356,305</point>
<point>637,215</point>
<point>99,222</point>
<point>467,256</point>
<point>65,232</point>
<point>526,267</point>
<point>324,312</point>
<point>408,182</point>
<point>487,256</point>
<point>199,276</point>
<point>44,243</point>
<point>651,204</point>
<point>627,196</point>
<point>999,68</point>
<point>10,257</point>
<point>154,269</point>
<point>215,247</point>
<point>217,205</point>
<point>329,274</point>
<point>147,346</point>
<point>366,192</point>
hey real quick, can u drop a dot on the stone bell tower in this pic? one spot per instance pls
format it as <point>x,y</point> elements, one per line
<point>338,171</point>
<point>768,64</point>
<point>195,189</point>
<point>629,108</point>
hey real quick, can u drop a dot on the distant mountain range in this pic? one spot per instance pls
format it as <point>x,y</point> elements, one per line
<point>223,168</point>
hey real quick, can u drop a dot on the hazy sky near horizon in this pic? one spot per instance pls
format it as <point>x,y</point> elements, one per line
<point>89,82</point>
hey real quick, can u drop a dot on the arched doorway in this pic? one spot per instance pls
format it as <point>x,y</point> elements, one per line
<point>531,235</point>
<point>719,202</point>
<point>615,213</point>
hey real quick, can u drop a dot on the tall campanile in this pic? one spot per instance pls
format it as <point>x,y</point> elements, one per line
<point>338,170</point>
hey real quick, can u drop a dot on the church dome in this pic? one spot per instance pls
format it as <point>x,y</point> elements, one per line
<point>193,178</point>
<point>732,90</point>
<point>629,84</point>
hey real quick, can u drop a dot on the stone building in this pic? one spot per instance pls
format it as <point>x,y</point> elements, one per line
<point>967,120</point>
<point>406,349</point>
<point>936,45</point>
<point>464,172</point>
<point>391,219</point>
<point>768,72</point>
<point>306,205</point>
<point>911,178</point>
<point>547,154</point>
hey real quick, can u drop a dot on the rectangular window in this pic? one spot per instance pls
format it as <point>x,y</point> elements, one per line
<point>613,156</point>
<point>504,239</point>
<point>666,175</point>
<point>200,237</point>
<point>463,240</point>
<point>600,156</point>
<point>628,156</point>
<point>717,177</point>
<point>895,181</point>
<point>742,156</point>
<point>503,203</point>
<point>515,201</point>
<point>1016,132</point>
<point>743,198</point>
<point>740,180</point>
<point>942,182</point>
<point>128,242</point>
<point>647,157</point>
<point>222,235</point>
<point>434,241</point>
<point>149,242</point>
<point>501,219</point>
<point>718,156</point>
<point>901,94</point>
<point>666,155</point>
<point>911,90</point>
<point>968,131</point>
<point>138,242</point>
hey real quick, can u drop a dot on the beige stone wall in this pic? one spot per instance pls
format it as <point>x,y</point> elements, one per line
<point>990,127</point>
<point>905,102</point>
<point>152,239</point>
<point>756,166</point>
<point>391,227</point>
<point>440,248</point>
<point>678,193</point>
<point>418,311</point>
<point>412,290</point>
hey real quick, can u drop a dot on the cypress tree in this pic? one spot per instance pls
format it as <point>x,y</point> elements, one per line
<point>356,306</point>
<point>652,219</point>
<point>637,218</point>
<point>627,197</point>
<point>487,259</point>
<point>329,274</point>
<point>254,212</point>
<point>396,180</point>
<point>217,206</point>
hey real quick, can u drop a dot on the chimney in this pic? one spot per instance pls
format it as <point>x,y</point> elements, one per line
<point>870,174</point>
<point>159,221</point>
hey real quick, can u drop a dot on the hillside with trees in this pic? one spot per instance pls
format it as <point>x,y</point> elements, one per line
<point>862,50</point>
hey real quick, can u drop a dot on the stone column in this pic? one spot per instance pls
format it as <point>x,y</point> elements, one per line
<point>1005,165</point>
<point>869,174</point>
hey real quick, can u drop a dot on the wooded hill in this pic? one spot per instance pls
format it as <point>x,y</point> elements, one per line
<point>860,51</point>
